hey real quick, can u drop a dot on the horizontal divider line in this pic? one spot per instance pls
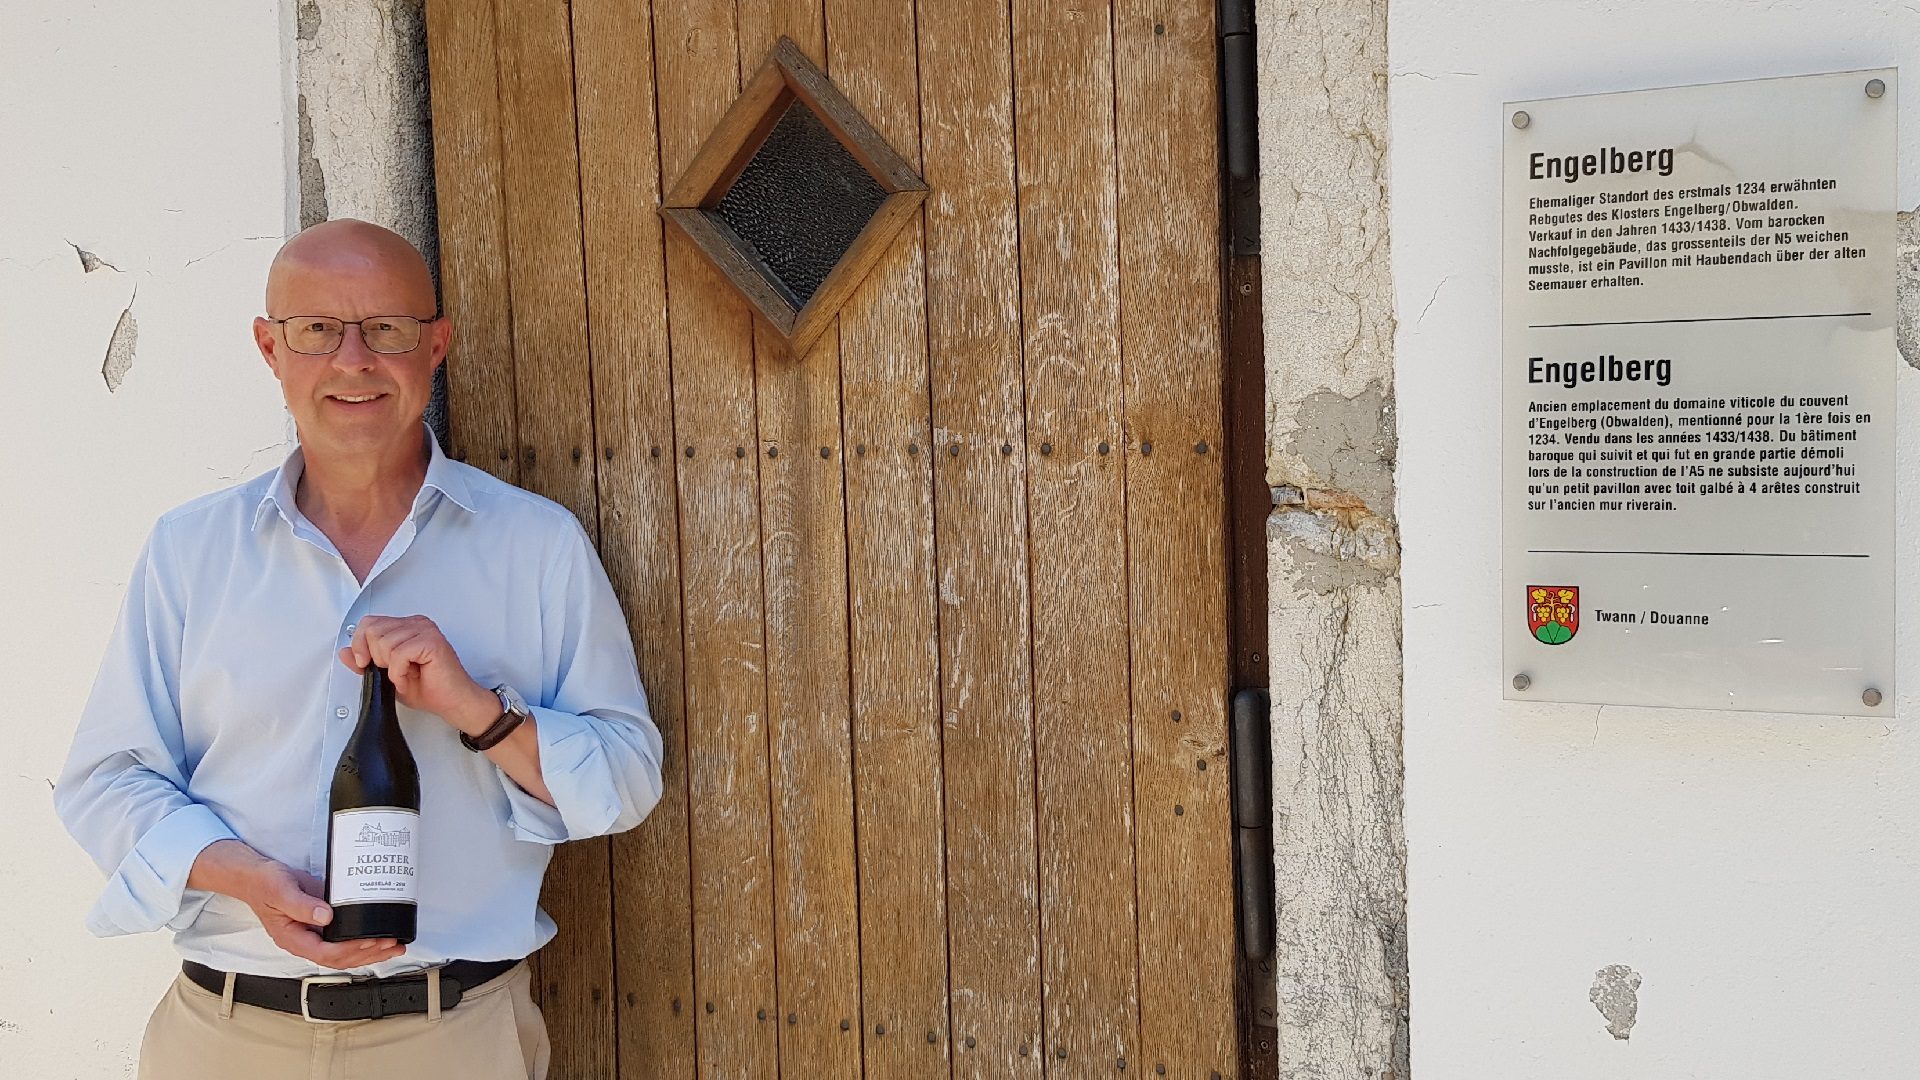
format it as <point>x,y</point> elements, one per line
<point>1741,554</point>
<point>1715,318</point>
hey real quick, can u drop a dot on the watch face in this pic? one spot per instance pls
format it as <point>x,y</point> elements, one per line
<point>512,699</point>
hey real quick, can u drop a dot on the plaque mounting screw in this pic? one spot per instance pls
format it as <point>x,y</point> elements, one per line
<point>1521,682</point>
<point>1521,119</point>
<point>1876,88</point>
<point>1871,697</point>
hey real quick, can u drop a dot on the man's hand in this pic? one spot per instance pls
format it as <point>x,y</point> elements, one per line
<point>287,903</point>
<point>427,674</point>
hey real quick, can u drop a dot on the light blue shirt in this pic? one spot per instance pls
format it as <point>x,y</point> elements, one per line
<point>221,708</point>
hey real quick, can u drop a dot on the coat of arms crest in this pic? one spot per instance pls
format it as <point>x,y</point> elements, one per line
<point>1553,613</point>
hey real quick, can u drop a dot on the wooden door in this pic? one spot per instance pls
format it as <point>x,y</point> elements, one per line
<point>932,617</point>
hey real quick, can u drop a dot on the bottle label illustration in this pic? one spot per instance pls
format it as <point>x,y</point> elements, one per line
<point>373,856</point>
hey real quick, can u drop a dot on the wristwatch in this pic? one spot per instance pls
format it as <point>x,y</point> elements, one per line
<point>514,712</point>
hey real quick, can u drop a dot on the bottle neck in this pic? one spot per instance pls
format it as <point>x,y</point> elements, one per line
<point>377,698</point>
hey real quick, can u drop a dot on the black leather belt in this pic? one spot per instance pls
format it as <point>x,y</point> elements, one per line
<point>349,997</point>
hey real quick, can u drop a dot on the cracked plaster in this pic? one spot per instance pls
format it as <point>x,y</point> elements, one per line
<point>364,115</point>
<point>1616,993</point>
<point>1333,552</point>
<point>1906,263</point>
<point>119,361</point>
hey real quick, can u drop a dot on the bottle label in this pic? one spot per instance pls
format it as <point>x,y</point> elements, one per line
<point>373,856</point>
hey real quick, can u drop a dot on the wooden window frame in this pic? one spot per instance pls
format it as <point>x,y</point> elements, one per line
<point>786,77</point>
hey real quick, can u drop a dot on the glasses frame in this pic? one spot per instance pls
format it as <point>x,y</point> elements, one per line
<point>356,323</point>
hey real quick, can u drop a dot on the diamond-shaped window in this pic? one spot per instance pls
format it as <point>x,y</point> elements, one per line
<point>794,196</point>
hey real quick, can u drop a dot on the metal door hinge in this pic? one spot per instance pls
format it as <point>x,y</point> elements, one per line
<point>1253,821</point>
<point>1239,119</point>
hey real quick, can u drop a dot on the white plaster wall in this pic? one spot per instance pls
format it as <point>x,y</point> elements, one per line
<point>1761,873</point>
<point>152,135</point>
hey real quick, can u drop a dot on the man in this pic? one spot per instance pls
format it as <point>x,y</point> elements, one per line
<point>200,772</point>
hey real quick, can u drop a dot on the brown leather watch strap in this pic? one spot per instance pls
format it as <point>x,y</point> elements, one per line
<point>500,729</point>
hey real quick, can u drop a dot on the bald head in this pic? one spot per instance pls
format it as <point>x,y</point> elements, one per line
<point>353,400</point>
<point>356,255</point>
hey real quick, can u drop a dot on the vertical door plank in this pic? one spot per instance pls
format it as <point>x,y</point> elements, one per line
<point>764,22</point>
<point>639,524</point>
<point>895,631</point>
<point>980,514</point>
<point>803,535</point>
<point>1169,219</point>
<point>548,280</point>
<point>803,531</point>
<point>1069,265</point>
<point>473,243</point>
<point>551,379</point>
<point>729,818</point>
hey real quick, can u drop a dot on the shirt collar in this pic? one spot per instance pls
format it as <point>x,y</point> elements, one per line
<point>442,476</point>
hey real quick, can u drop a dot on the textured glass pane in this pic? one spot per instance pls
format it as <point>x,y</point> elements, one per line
<point>800,203</point>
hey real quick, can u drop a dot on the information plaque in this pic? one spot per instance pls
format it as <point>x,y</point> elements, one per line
<point>1698,370</point>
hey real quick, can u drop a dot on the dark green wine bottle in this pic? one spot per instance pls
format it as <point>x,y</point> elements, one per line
<point>373,829</point>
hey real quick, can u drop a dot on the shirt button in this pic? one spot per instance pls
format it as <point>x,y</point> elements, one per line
<point>341,712</point>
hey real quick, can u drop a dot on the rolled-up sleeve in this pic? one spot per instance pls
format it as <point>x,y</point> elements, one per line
<point>600,751</point>
<point>122,793</point>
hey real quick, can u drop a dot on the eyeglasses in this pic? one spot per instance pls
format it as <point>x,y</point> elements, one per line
<point>320,335</point>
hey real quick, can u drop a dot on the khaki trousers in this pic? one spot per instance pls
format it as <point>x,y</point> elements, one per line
<point>495,1033</point>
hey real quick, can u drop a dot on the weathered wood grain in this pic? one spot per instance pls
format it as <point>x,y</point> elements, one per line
<point>1069,268</point>
<point>803,524</point>
<point>919,692</point>
<point>639,515</point>
<point>898,777</point>
<point>464,69</point>
<point>1176,517</point>
<point>546,280</point>
<point>547,275</point>
<point>718,485</point>
<point>803,532</point>
<point>980,513</point>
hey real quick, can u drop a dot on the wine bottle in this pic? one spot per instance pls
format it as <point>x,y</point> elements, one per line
<point>373,825</point>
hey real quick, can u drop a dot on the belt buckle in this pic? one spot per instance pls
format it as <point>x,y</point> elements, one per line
<point>323,980</point>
